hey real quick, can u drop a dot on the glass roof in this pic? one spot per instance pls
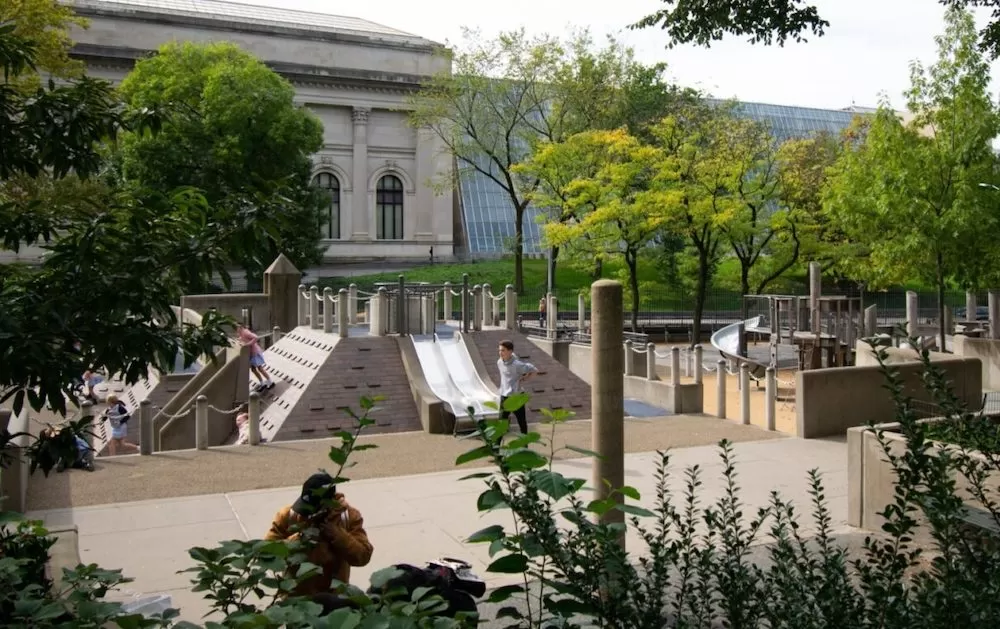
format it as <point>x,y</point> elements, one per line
<point>253,14</point>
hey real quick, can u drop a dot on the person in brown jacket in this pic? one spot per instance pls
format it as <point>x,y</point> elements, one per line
<point>341,540</point>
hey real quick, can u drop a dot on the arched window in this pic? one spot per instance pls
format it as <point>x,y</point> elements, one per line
<point>389,208</point>
<point>331,185</point>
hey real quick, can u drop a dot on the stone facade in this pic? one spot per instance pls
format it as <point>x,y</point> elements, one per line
<point>354,75</point>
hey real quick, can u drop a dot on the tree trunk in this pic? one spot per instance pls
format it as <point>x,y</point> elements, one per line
<point>744,288</point>
<point>519,250</point>
<point>701,292</point>
<point>555,263</point>
<point>598,270</point>
<point>941,305</point>
<point>632,260</point>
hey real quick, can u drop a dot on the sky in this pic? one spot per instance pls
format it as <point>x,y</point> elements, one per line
<point>865,54</point>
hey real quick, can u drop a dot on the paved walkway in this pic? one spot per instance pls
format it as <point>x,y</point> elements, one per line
<point>409,518</point>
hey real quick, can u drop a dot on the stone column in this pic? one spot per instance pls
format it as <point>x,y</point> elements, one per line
<point>651,362</point>
<point>253,414</point>
<point>276,333</point>
<point>201,423</point>
<point>281,285</point>
<point>352,304</point>
<point>970,305</point>
<point>342,326</point>
<point>994,307</point>
<point>477,308</point>
<point>815,291</point>
<point>912,313</point>
<point>510,307</point>
<point>698,369</point>
<point>314,321</point>
<point>581,314</point>
<point>720,389</point>
<point>328,310</point>
<point>360,213</point>
<point>607,394</point>
<point>745,394</point>
<point>552,315</point>
<point>771,395</point>
<point>675,364</point>
<point>465,302</point>
<point>446,294</point>
<point>487,305</point>
<point>303,306</point>
<point>629,357</point>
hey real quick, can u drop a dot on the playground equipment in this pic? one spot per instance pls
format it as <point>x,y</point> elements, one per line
<point>452,376</point>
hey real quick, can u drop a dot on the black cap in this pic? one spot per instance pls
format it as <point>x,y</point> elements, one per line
<point>318,488</point>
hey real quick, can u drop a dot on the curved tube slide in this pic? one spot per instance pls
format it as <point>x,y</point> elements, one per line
<point>452,376</point>
<point>727,341</point>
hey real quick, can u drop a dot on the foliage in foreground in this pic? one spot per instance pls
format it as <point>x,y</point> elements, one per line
<point>700,564</point>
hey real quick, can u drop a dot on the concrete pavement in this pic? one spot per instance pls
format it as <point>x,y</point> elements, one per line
<point>413,518</point>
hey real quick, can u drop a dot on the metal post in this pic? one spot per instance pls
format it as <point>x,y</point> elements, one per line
<point>745,394</point>
<point>352,304</point>
<point>328,310</point>
<point>651,362</point>
<point>145,427</point>
<point>303,305</point>
<point>581,314</point>
<point>697,364</point>
<point>720,389</point>
<point>314,321</point>
<point>629,359</point>
<point>342,300</point>
<point>477,308</point>
<point>770,393</point>
<point>675,368</point>
<point>201,423</point>
<point>487,305</point>
<point>401,318</point>
<point>465,303</point>
<point>253,414</point>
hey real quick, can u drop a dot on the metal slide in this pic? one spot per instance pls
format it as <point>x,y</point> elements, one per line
<point>452,376</point>
<point>727,341</point>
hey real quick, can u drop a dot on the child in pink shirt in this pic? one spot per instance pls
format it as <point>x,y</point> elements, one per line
<point>257,364</point>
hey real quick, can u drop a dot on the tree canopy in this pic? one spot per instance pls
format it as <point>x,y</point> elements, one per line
<point>231,129</point>
<point>772,21</point>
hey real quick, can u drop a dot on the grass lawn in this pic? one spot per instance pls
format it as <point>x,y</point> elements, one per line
<point>570,282</point>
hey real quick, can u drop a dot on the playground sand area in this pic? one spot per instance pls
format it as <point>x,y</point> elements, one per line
<point>282,464</point>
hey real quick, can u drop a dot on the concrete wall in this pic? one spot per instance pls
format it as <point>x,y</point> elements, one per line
<point>830,401</point>
<point>988,353</point>
<point>865,357</point>
<point>659,393</point>
<point>232,304</point>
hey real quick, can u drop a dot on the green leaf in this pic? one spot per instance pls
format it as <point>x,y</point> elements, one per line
<point>523,460</point>
<point>524,441</point>
<point>554,484</point>
<point>491,499</point>
<point>584,451</point>
<point>600,507</point>
<point>515,402</point>
<point>472,455</point>
<point>504,592</point>
<point>629,492</point>
<point>509,564</point>
<point>477,475</point>
<point>488,534</point>
<point>635,510</point>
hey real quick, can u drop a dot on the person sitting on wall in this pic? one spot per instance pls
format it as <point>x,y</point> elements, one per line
<point>321,515</point>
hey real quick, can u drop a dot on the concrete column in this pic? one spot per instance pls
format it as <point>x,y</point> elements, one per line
<point>465,302</point>
<point>360,224</point>
<point>402,305</point>
<point>495,318</point>
<point>745,394</point>
<point>477,307</point>
<point>815,291</point>
<point>280,281</point>
<point>629,358</point>
<point>368,312</point>
<point>551,315</point>
<point>949,322</point>
<point>487,305</point>
<point>328,310</point>
<point>380,313</point>
<point>276,334</point>
<point>651,362</point>
<point>145,427</point>
<point>607,394</point>
<point>912,313</point>
<point>698,369</point>
<point>675,363</point>
<point>720,389</point>
<point>303,305</point>
<point>253,414</point>
<point>201,423</point>
<point>994,308</point>
<point>771,394</point>
<point>446,299</point>
<point>581,314</point>
<point>871,321</point>
<point>314,321</point>
<point>510,307</point>
<point>970,305</point>
<point>342,300</point>
<point>352,304</point>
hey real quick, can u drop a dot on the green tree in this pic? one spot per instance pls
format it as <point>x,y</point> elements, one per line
<point>910,193</point>
<point>613,206</point>
<point>771,21</point>
<point>233,131</point>
<point>46,23</point>
<point>101,297</point>
<point>505,96</point>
